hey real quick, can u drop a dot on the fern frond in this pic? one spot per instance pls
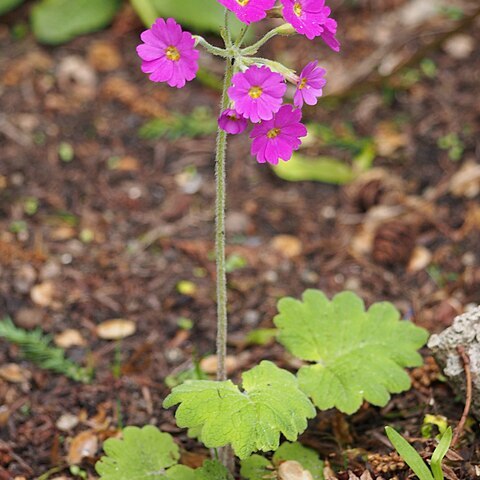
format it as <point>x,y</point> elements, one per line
<point>36,347</point>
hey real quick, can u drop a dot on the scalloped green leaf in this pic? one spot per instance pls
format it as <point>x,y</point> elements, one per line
<point>356,355</point>
<point>256,467</point>
<point>306,457</point>
<point>212,470</point>
<point>142,453</point>
<point>179,472</point>
<point>271,403</point>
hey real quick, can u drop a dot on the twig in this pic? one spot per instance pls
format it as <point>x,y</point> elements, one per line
<point>468,401</point>
<point>14,133</point>
<point>16,457</point>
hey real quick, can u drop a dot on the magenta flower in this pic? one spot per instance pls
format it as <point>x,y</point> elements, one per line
<point>232,122</point>
<point>328,34</point>
<point>311,18</point>
<point>168,53</point>
<point>257,93</point>
<point>309,85</point>
<point>249,11</point>
<point>276,139</point>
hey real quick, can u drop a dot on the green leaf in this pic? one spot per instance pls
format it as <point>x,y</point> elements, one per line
<point>270,404</point>
<point>409,454</point>
<point>357,354</point>
<point>7,5</point>
<point>142,453</point>
<point>439,454</point>
<point>261,336</point>
<point>198,123</point>
<point>192,373</point>
<point>307,458</point>
<point>179,472</point>
<point>212,470</point>
<point>256,467</point>
<point>328,168</point>
<point>145,10</point>
<point>209,18</point>
<point>58,21</point>
<point>319,169</point>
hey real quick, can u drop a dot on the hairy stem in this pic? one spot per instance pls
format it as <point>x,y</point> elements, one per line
<point>220,167</point>
<point>219,52</point>
<point>285,29</point>
<point>241,36</point>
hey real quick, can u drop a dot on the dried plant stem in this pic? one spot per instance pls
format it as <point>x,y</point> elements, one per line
<point>468,401</point>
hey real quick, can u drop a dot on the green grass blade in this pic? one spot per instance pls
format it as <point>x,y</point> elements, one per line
<point>439,454</point>
<point>409,454</point>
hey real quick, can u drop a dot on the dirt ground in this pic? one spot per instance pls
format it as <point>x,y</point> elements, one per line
<point>97,223</point>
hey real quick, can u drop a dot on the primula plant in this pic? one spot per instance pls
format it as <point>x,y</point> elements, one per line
<point>351,354</point>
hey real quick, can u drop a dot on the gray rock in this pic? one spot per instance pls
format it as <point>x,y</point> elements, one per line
<point>465,331</point>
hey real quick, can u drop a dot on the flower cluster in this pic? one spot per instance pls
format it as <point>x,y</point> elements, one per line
<point>257,95</point>
<point>258,87</point>
<point>309,17</point>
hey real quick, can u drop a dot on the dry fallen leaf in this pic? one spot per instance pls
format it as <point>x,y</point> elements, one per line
<point>292,470</point>
<point>209,364</point>
<point>69,338</point>
<point>287,245</point>
<point>13,373</point>
<point>126,164</point>
<point>85,444</point>
<point>42,294</point>
<point>104,56</point>
<point>466,182</point>
<point>388,139</point>
<point>5,413</point>
<point>63,233</point>
<point>67,422</point>
<point>116,329</point>
<point>420,259</point>
<point>459,46</point>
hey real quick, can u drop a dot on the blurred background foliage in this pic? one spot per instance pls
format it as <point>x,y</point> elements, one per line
<point>329,155</point>
<point>59,21</point>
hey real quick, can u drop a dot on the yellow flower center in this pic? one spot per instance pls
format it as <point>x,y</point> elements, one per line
<point>172,54</point>
<point>243,3</point>
<point>302,84</point>
<point>274,132</point>
<point>297,8</point>
<point>255,92</point>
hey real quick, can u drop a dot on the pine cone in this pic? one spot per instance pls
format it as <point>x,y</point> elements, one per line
<point>394,242</point>
<point>375,187</point>
<point>370,194</point>
<point>365,475</point>
<point>422,377</point>
<point>386,463</point>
